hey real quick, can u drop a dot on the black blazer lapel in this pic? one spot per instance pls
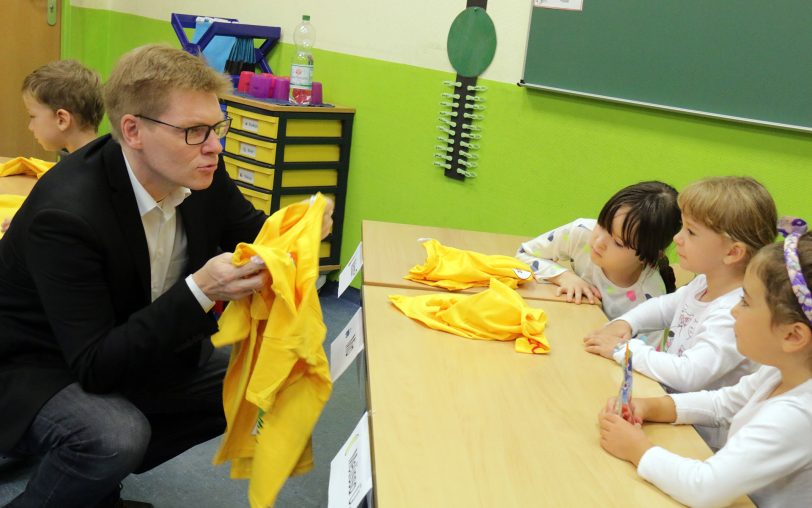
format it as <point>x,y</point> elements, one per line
<point>194,222</point>
<point>126,209</point>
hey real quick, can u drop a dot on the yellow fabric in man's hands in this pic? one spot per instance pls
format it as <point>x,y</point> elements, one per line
<point>498,313</point>
<point>278,378</point>
<point>9,204</point>
<point>25,165</point>
<point>454,269</point>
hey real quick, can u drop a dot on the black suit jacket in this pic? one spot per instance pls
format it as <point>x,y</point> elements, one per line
<point>75,285</point>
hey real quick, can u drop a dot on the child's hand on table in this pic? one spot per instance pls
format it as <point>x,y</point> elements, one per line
<point>636,416</point>
<point>604,340</point>
<point>576,288</point>
<point>622,439</point>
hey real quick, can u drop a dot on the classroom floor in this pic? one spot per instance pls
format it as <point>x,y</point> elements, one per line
<point>191,480</point>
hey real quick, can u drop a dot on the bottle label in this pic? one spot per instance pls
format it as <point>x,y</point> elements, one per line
<point>301,76</point>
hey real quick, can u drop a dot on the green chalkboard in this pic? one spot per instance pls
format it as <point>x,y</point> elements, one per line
<point>746,60</point>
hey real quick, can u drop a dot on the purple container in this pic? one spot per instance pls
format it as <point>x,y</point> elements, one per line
<point>281,88</point>
<point>316,94</point>
<point>260,86</point>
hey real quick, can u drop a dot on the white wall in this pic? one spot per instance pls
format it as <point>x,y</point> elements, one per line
<point>412,32</point>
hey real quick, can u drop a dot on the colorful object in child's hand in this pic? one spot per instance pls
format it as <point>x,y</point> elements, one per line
<point>623,404</point>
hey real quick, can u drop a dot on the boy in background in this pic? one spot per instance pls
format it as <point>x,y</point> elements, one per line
<point>64,103</point>
<point>65,107</point>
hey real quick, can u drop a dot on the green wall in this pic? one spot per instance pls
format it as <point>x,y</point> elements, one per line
<point>545,158</point>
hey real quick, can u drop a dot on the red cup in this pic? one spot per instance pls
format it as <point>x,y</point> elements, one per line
<point>245,81</point>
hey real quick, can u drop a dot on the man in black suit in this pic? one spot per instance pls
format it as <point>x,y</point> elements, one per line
<point>107,276</point>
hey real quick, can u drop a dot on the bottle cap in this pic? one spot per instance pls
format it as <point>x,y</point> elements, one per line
<point>305,17</point>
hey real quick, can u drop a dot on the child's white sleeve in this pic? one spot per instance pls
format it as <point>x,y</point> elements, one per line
<point>655,313</point>
<point>712,356</point>
<point>717,408</point>
<point>562,243</point>
<point>773,445</point>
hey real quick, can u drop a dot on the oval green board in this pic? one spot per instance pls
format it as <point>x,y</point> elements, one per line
<point>471,42</point>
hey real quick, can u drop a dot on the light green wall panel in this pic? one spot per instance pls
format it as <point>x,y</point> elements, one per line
<point>545,158</point>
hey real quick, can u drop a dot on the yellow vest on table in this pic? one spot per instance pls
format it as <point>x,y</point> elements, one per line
<point>498,313</point>
<point>278,378</point>
<point>25,165</point>
<point>454,269</point>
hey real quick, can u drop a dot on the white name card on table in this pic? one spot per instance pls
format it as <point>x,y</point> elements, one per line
<point>346,346</point>
<point>351,469</point>
<point>351,270</point>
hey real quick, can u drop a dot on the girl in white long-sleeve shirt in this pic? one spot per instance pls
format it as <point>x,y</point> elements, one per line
<point>769,451</point>
<point>617,259</point>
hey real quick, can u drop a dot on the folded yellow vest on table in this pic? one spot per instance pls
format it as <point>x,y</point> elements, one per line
<point>278,378</point>
<point>455,269</point>
<point>498,313</point>
<point>25,165</point>
<point>9,204</point>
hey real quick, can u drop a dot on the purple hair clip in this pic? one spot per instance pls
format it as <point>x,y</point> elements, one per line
<point>789,225</point>
<point>792,228</point>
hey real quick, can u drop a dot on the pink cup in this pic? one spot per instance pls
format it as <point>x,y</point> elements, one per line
<point>281,88</point>
<point>316,93</point>
<point>245,81</point>
<point>272,88</point>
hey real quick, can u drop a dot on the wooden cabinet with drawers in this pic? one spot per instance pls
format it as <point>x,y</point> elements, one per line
<point>278,155</point>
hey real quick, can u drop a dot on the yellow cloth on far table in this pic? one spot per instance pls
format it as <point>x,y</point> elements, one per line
<point>278,378</point>
<point>9,204</point>
<point>498,313</point>
<point>25,165</point>
<point>454,269</point>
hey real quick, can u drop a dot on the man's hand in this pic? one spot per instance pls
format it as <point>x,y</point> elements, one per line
<point>219,279</point>
<point>6,223</point>
<point>575,288</point>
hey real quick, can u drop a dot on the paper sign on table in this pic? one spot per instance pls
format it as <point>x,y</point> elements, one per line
<point>351,469</point>
<point>346,346</point>
<point>351,270</point>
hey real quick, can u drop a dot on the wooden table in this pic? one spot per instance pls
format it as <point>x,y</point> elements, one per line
<point>460,422</point>
<point>390,250</point>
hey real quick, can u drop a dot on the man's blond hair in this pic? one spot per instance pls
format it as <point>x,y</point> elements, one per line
<point>143,79</point>
<point>68,85</point>
<point>735,206</point>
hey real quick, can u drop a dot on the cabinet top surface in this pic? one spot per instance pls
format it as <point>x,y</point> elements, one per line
<point>257,103</point>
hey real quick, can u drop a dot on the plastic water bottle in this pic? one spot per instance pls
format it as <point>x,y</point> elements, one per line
<point>301,69</point>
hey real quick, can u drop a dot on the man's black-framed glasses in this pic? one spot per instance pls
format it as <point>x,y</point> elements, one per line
<point>197,134</point>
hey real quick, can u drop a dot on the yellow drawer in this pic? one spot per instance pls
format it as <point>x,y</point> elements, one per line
<point>260,200</point>
<point>255,123</point>
<point>309,153</point>
<point>309,177</point>
<point>315,128</point>
<point>263,151</point>
<point>252,174</point>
